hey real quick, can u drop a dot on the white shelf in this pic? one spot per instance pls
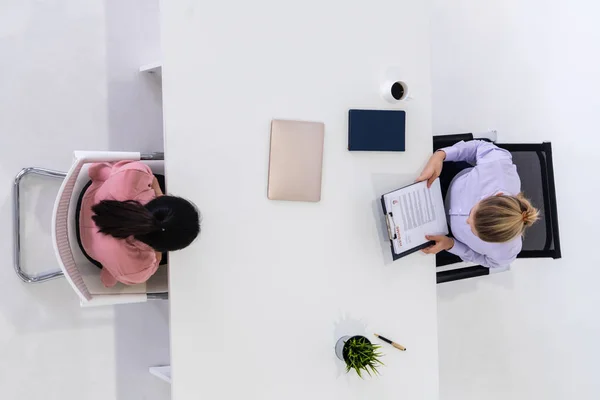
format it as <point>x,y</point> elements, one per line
<point>163,372</point>
<point>152,68</point>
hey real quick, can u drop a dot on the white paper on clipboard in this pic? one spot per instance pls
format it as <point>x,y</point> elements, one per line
<point>414,212</point>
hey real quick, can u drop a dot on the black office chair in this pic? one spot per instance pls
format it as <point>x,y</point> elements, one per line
<point>534,164</point>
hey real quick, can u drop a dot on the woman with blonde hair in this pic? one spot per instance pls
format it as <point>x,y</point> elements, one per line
<point>487,212</point>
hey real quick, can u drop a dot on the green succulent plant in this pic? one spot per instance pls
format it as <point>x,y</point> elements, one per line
<point>361,355</point>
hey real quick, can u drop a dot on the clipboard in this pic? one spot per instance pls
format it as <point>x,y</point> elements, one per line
<point>391,228</point>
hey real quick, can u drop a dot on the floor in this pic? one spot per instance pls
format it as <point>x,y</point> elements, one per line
<point>529,69</point>
<point>68,81</point>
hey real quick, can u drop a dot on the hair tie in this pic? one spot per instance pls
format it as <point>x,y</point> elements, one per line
<point>524,215</point>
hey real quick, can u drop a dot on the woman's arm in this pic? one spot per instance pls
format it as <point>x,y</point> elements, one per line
<point>476,152</point>
<point>463,251</point>
<point>433,169</point>
<point>157,188</point>
<point>107,278</point>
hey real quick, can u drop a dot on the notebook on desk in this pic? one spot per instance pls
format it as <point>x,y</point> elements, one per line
<point>376,130</point>
<point>411,213</point>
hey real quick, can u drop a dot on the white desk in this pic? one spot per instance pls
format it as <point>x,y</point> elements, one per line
<point>258,303</point>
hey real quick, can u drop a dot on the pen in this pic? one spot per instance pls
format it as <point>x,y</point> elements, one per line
<point>396,345</point>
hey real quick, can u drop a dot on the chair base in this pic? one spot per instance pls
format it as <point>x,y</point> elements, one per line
<point>27,278</point>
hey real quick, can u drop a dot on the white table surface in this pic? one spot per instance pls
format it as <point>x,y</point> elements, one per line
<point>258,303</point>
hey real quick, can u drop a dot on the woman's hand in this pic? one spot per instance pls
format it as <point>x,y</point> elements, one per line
<point>156,187</point>
<point>433,169</point>
<point>441,243</point>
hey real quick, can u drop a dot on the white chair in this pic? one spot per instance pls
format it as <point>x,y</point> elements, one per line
<point>82,275</point>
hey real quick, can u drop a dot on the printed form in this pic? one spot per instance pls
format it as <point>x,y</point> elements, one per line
<point>413,212</point>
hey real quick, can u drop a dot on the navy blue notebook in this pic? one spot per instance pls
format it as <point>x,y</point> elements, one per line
<point>376,130</point>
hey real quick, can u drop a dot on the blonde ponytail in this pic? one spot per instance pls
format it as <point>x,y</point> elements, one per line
<point>530,213</point>
<point>501,218</point>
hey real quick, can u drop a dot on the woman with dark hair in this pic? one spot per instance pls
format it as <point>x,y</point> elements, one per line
<point>126,222</point>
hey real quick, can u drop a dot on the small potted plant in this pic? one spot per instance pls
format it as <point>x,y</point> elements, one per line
<point>359,354</point>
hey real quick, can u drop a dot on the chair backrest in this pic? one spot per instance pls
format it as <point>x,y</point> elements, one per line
<point>535,168</point>
<point>82,275</point>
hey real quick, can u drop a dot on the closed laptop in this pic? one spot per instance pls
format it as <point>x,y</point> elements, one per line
<point>296,160</point>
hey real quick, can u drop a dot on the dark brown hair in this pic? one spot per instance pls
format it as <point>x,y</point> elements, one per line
<point>166,223</point>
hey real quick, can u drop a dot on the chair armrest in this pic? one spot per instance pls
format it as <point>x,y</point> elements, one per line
<point>462,273</point>
<point>439,142</point>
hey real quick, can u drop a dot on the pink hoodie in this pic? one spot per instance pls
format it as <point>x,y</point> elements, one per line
<point>124,260</point>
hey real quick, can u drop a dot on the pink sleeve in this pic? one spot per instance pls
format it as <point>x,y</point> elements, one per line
<point>99,172</point>
<point>129,265</point>
<point>138,277</point>
<point>107,279</point>
<point>131,180</point>
<point>130,165</point>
